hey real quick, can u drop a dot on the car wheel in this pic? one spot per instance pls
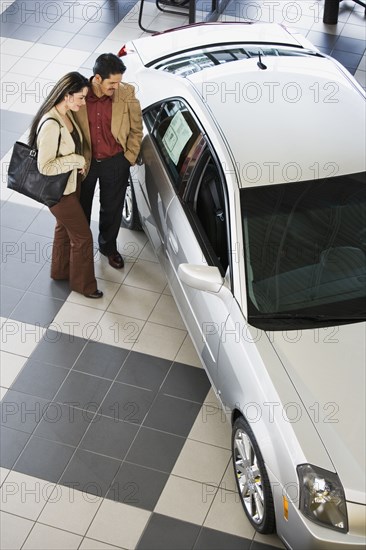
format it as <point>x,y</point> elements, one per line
<point>251,478</point>
<point>130,214</point>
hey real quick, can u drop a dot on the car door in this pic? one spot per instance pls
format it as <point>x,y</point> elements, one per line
<point>198,233</point>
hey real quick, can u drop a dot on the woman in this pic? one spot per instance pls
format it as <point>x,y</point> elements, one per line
<point>72,253</point>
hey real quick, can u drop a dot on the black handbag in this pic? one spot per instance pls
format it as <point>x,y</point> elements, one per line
<point>25,178</point>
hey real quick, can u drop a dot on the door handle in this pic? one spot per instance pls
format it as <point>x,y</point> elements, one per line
<point>173,242</point>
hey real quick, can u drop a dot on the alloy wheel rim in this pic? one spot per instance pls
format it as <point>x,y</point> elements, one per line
<point>127,205</point>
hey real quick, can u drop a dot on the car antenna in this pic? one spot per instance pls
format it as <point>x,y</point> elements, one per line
<point>260,64</point>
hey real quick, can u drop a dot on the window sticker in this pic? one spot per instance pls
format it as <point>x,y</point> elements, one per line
<point>176,136</point>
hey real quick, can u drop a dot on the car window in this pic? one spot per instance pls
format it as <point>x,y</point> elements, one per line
<point>175,133</point>
<point>206,204</point>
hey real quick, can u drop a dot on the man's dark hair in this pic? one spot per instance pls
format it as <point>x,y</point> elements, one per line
<point>108,64</point>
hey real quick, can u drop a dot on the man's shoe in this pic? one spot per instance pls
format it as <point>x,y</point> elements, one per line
<point>96,294</point>
<point>116,260</point>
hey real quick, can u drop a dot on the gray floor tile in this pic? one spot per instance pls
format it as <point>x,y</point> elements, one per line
<point>14,122</point>
<point>82,390</point>
<point>43,284</point>
<point>32,33</point>
<point>163,449</point>
<point>9,238</point>
<point>17,274</point>
<point>260,546</point>
<point>9,298</point>
<point>44,459</point>
<point>34,248</point>
<point>12,443</point>
<point>165,533</point>
<point>64,424</point>
<point>144,371</point>
<point>9,29</point>
<point>59,349</point>
<point>56,38</point>
<point>43,224</point>
<point>110,437</point>
<point>186,382</point>
<point>68,24</point>
<point>172,415</point>
<point>90,473</point>
<point>17,216</point>
<point>101,360</point>
<point>39,379</point>
<point>137,486</point>
<point>322,39</point>
<point>350,45</point>
<point>21,411</point>
<point>127,403</point>
<point>37,309</point>
<point>211,539</point>
<point>98,29</point>
<point>349,60</point>
<point>8,138</point>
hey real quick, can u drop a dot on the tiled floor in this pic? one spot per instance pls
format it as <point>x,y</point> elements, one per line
<point>111,436</point>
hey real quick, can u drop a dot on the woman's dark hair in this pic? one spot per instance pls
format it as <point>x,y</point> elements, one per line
<point>107,64</point>
<point>71,83</point>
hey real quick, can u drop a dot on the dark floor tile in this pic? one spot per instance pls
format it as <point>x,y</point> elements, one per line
<point>31,33</point>
<point>9,298</point>
<point>15,122</point>
<point>127,403</point>
<point>322,39</point>
<point>17,274</point>
<point>44,459</point>
<point>347,59</point>
<point>137,486</point>
<point>101,360</point>
<point>90,473</point>
<point>18,216</point>
<point>260,546</point>
<point>43,224</point>
<point>43,284</point>
<point>172,415</point>
<point>64,424</point>
<point>144,371</point>
<point>211,539</point>
<point>56,38</point>
<point>109,437</point>
<point>12,443</point>
<point>85,43</point>
<point>39,379</point>
<point>186,382</point>
<point>21,411</point>
<point>165,533</point>
<point>36,309</point>
<point>350,45</point>
<point>83,391</point>
<point>59,349</point>
<point>164,449</point>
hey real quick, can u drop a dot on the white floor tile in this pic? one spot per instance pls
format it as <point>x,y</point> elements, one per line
<point>23,66</point>
<point>227,514</point>
<point>12,46</point>
<point>10,367</point>
<point>13,531</point>
<point>108,527</point>
<point>3,474</point>
<point>43,537</point>
<point>187,354</point>
<point>117,330</point>
<point>24,494</point>
<point>201,462</point>
<point>146,275</point>
<point>105,272</point>
<point>77,320</point>
<point>90,544</point>
<point>211,426</point>
<point>185,499</point>
<point>70,510</point>
<point>272,540</point>
<point>109,290</point>
<point>166,313</point>
<point>148,254</point>
<point>44,52</point>
<point>134,302</point>
<point>354,31</point>
<point>159,340</point>
<point>8,61</point>
<point>68,55</point>
<point>131,243</point>
<point>20,338</point>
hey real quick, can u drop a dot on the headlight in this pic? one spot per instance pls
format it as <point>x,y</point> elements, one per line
<point>322,497</point>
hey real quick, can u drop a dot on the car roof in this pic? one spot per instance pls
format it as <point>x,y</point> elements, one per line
<point>301,113</point>
<point>185,38</point>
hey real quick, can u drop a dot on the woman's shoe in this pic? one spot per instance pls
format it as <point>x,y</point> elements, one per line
<point>96,294</point>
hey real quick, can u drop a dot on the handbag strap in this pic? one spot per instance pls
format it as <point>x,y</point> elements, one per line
<point>59,137</point>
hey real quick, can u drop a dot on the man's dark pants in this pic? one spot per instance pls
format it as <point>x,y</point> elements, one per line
<point>113,175</point>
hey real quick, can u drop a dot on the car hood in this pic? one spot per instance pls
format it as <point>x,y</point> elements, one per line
<point>327,368</point>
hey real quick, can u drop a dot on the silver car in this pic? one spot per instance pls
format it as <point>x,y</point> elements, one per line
<point>251,188</point>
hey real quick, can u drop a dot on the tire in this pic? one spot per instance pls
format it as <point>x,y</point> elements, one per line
<point>130,213</point>
<point>251,478</point>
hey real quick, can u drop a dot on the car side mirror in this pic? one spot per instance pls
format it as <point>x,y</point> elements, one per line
<point>201,277</point>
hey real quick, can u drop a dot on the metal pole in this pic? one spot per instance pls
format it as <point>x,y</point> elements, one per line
<point>331,10</point>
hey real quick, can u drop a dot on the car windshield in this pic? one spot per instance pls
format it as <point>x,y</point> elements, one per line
<point>305,252</point>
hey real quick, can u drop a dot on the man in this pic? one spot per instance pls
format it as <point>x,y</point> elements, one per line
<point>111,123</point>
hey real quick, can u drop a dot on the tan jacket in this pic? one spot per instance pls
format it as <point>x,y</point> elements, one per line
<point>67,159</point>
<point>126,124</point>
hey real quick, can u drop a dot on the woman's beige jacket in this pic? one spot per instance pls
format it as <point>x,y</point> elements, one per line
<point>47,143</point>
